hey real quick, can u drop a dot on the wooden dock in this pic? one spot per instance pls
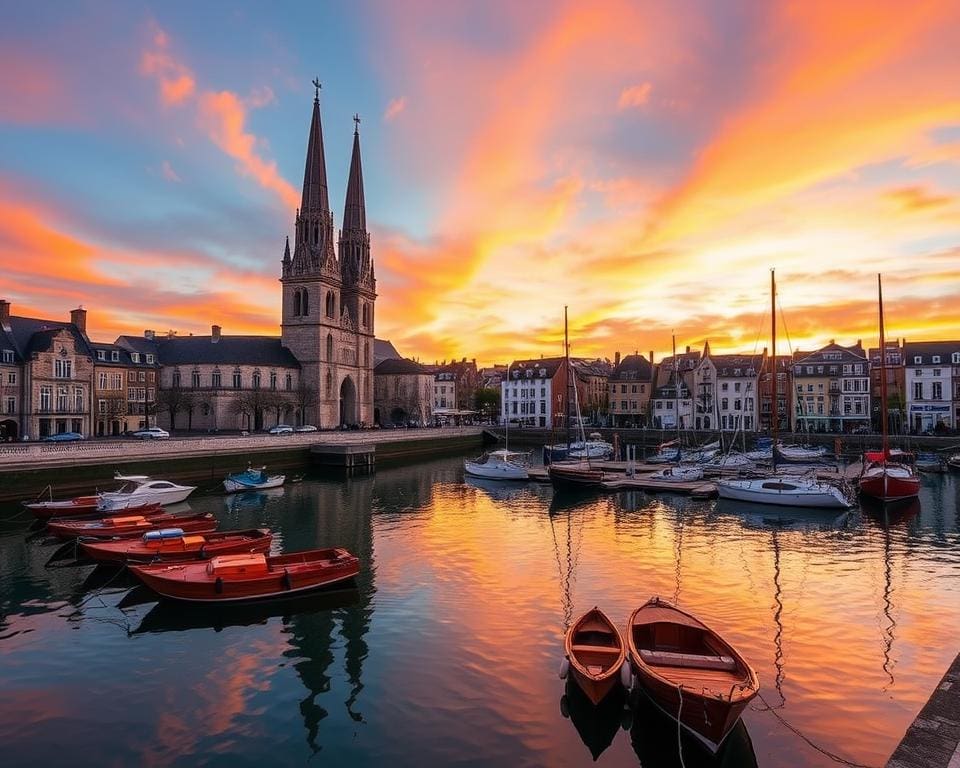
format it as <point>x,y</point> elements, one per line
<point>617,480</point>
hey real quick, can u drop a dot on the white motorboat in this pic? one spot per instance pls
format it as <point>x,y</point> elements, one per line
<point>678,474</point>
<point>594,448</point>
<point>141,489</point>
<point>252,480</point>
<point>499,465</point>
<point>783,491</point>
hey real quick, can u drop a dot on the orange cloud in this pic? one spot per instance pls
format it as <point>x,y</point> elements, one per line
<point>394,108</point>
<point>917,198</point>
<point>176,81</point>
<point>634,96</point>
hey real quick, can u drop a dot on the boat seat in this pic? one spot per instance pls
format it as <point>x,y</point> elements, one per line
<point>594,649</point>
<point>688,660</point>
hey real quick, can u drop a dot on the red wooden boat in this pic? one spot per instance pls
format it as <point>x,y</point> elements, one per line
<point>580,475</point>
<point>81,506</point>
<point>155,546</point>
<point>132,525</point>
<point>233,578</point>
<point>689,671</point>
<point>596,652</point>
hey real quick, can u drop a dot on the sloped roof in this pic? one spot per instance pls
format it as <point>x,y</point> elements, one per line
<point>228,350</point>
<point>548,364</point>
<point>633,368</point>
<point>727,365</point>
<point>384,350</point>
<point>31,334</point>
<point>399,366</point>
<point>926,350</point>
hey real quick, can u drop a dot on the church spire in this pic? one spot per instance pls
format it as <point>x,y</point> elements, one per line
<point>315,173</point>
<point>354,210</point>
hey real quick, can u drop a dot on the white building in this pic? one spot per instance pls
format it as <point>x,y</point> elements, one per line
<point>725,388</point>
<point>932,378</point>
<point>534,392</point>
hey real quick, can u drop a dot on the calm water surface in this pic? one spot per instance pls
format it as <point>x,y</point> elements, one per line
<point>447,650</point>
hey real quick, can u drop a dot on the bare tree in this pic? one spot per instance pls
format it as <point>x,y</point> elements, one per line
<point>304,398</point>
<point>172,401</point>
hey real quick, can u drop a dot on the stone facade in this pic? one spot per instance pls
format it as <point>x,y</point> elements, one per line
<point>832,389</point>
<point>402,393</point>
<point>58,384</point>
<point>631,386</point>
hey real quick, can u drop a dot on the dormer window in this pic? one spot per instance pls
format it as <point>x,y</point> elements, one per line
<point>529,373</point>
<point>917,360</point>
<point>135,356</point>
<point>101,355</point>
<point>115,357</point>
<point>955,358</point>
<point>543,373</point>
<point>8,355</point>
<point>149,359</point>
<point>936,359</point>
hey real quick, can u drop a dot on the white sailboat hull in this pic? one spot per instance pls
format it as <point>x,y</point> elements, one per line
<point>784,492</point>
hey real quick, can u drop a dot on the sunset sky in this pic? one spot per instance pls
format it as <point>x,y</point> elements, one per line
<point>646,163</point>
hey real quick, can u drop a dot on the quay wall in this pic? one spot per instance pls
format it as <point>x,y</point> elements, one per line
<point>27,469</point>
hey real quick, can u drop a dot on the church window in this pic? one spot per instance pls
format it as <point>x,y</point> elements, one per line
<point>316,234</point>
<point>256,379</point>
<point>289,382</point>
<point>366,354</point>
<point>273,379</point>
<point>331,305</point>
<point>215,379</point>
<point>176,378</point>
<point>329,384</point>
<point>296,303</point>
<point>330,347</point>
<point>237,381</point>
<point>304,303</point>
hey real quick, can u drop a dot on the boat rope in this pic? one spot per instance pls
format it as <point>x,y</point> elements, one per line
<point>103,586</point>
<point>679,732</point>
<point>822,750</point>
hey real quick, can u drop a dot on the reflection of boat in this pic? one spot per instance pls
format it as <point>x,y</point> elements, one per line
<point>689,671</point>
<point>595,650</point>
<point>178,617</point>
<point>249,577</point>
<point>498,490</point>
<point>930,462</point>
<point>579,475</point>
<point>596,724</point>
<point>252,480</point>
<point>783,491</point>
<point>177,545</point>
<point>132,525</point>
<point>498,465</point>
<point>654,739</point>
<point>140,489</point>
<point>251,501</point>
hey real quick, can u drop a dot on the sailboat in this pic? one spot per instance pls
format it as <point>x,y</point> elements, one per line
<point>781,490</point>
<point>500,465</point>
<point>883,478</point>
<point>679,473</point>
<point>579,474</point>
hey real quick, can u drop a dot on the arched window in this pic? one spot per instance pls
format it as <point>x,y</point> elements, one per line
<point>256,379</point>
<point>366,316</point>
<point>296,303</point>
<point>304,303</point>
<point>329,384</point>
<point>330,347</point>
<point>316,234</point>
<point>289,382</point>
<point>331,305</point>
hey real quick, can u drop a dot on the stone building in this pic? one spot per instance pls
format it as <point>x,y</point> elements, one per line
<point>328,300</point>
<point>593,375</point>
<point>832,389</point>
<point>631,385</point>
<point>726,392</point>
<point>668,403</point>
<point>896,387</point>
<point>402,393</point>
<point>784,372</point>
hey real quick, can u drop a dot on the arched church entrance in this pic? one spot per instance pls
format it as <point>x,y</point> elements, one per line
<point>348,402</point>
<point>8,431</point>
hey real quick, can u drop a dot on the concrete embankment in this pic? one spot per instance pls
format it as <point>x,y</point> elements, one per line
<point>26,470</point>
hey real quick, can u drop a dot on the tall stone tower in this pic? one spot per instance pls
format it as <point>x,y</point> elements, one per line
<point>328,302</point>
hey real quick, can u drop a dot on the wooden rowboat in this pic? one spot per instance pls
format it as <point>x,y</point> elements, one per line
<point>572,476</point>
<point>689,671</point>
<point>83,507</point>
<point>132,525</point>
<point>153,547</point>
<point>233,578</point>
<point>595,650</point>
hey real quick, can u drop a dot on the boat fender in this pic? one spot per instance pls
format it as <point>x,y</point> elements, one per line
<point>564,668</point>
<point>218,586</point>
<point>565,706</point>
<point>626,676</point>
<point>287,581</point>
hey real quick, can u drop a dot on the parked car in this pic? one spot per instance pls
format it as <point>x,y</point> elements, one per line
<point>151,433</point>
<point>63,437</point>
<point>305,428</point>
<point>281,429</point>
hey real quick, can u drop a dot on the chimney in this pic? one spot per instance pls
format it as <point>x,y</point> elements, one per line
<point>148,334</point>
<point>688,349</point>
<point>78,317</point>
<point>651,357</point>
<point>214,334</point>
<point>616,357</point>
<point>5,314</point>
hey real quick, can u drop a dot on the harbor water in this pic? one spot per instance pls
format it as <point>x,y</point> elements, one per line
<point>446,651</point>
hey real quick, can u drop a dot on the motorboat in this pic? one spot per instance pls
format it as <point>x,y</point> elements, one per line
<point>132,525</point>
<point>689,671</point>
<point>593,448</point>
<point>252,480</point>
<point>175,544</point>
<point>595,652</point>
<point>255,576</point>
<point>681,473</point>
<point>141,489</point>
<point>499,465</point>
<point>799,454</point>
<point>785,491</point>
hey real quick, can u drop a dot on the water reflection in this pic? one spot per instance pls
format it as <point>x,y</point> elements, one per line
<point>596,725</point>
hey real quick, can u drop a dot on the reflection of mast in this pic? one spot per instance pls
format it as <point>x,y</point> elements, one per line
<point>778,620</point>
<point>888,663</point>
<point>567,576</point>
<point>679,539</point>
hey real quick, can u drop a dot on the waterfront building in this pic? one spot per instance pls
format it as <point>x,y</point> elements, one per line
<point>784,372</point>
<point>328,300</point>
<point>535,393</point>
<point>455,384</point>
<point>384,350</point>
<point>832,389</point>
<point>896,387</point>
<point>402,393</point>
<point>594,376</point>
<point>932,370</point>
<point>124,388</point>
<point>663,406</point>
<point>725,387</point>
<point>492,377</point>
<point>631,385</point>
<point>47,370</point>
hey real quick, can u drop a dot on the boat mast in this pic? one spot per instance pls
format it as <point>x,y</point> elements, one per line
<point>566,352</point>
<point>883,373</point>
<point>676,391</point>
<point>774,405</point>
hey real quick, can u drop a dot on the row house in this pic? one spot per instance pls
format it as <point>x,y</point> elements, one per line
<point>492,377</point>
<point>896,386</point>
<point>726,391</point>
<point>784,374</point>
<point>124,388</point>
<point>832,388</point>
<point>535,392</point>
<point>631,386</point>
<point>594,376</point>
<point>47,375</point>
<point>455,384</point>
<point>932,380</point>
<point>672,400</point>
<point>402,393</point>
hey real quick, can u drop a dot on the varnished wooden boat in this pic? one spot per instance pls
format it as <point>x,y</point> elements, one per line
<point>689,671</point>
<point>187,546</point>
<point>564,476</point>
<point>83,506</point>
<point>596,652</point>
<point>234,578</point>
<point>132,525</point>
